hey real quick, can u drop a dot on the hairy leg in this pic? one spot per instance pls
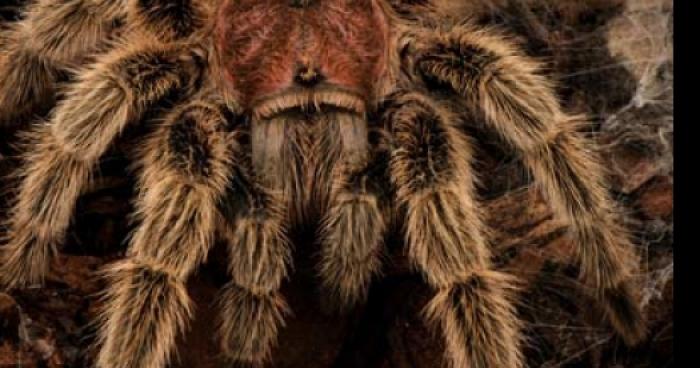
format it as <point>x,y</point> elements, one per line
<point>445,235</point>
<point>352,238</point>
<point>184,170</point>
<point>507,87</point>
<point>53,36</point>
<point>353,227</point>
<point>110,94</point>
<point>253,224</point>
<point>167,19</point>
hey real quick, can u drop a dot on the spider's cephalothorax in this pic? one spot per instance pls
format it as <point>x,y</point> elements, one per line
<point>263,114</point>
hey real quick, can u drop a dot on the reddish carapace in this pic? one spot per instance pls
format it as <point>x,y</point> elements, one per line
<point>268,46</point>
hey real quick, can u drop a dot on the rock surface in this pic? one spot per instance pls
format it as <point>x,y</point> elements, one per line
<point>613,60</point>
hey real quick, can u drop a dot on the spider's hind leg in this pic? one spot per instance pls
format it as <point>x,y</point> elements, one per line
<point>474,304</point>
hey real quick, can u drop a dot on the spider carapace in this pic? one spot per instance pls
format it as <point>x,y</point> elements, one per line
<point>322,44</point>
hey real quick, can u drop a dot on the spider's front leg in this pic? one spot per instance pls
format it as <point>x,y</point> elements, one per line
<point>52,37</point>
<point>184,172</point>
<point>431,173</point>
<point>353,227</point>
<point>252,307</point>
<point>253,222</point>
<point>110,94</point>
<point>507,88</point>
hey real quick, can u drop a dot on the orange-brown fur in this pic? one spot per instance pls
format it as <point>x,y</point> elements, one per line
<point>520,104</point>
<point>325,114</point>
<point>43,47</point>
<point>445,235</point>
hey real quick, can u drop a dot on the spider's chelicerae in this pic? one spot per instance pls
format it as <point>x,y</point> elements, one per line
<point>263,114</point>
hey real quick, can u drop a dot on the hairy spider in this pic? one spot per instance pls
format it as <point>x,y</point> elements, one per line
<point>260,114</point>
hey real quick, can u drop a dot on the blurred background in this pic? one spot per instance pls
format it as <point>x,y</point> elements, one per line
<point>613,60</point>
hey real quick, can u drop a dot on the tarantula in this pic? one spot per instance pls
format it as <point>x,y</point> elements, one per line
<point>261,113</point>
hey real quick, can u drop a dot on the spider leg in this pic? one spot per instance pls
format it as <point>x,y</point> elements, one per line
<point>253,224</point>
<point>430,171</point>
<point>53,37</point>
<point>184,170</point>
<point>507,87</point>
<point>353,228</point>
<point>112,93</point>
<point>166,19</point>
